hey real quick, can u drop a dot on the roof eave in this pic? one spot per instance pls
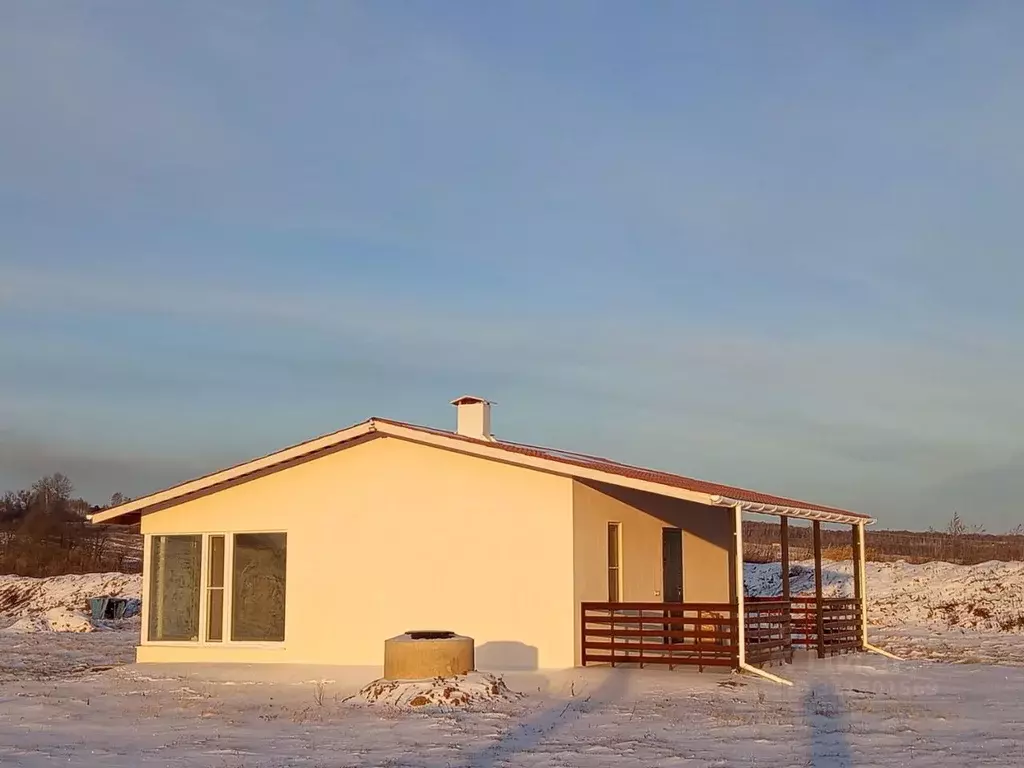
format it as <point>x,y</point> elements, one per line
<point>465,445</point>
<point>177,492</point>
<point>797,512</point>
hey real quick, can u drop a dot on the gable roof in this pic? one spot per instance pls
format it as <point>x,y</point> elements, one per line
<point>572,464</point>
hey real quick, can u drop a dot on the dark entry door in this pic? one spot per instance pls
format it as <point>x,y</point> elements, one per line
<point>672,565</point>
<point>672,577</point>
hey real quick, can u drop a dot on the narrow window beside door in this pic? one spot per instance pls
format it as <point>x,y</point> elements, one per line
<point>215,590</point>
<point>613,563</point>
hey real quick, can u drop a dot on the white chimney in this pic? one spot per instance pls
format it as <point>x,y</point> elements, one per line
<point>474,417</point>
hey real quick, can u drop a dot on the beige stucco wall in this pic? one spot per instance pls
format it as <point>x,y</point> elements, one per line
<point>707,534</point>
<point>389,536</point>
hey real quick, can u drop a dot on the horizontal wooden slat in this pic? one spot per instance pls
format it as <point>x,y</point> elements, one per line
<point>761,658</point>
<point>825,601</point>
<point>681,649</point>
<point>763,634</point>
<point>672,633</point>
<point>725,608</point>
<point>678,661</point>
<point>704,634</point>
<point>768,632</point>
<point>768,644</point>
<point>623,621</point>
<point>824,611</point>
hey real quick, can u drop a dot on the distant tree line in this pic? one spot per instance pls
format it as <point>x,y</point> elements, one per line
<point>44,532</point>
<point>959,542</point>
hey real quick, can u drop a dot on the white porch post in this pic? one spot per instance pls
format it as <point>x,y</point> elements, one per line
<point>741,638</point>
<point>860,582</point>
<point>860,576</point>
<point>784,542</point>
<point>740,602</point>
<point>818,600</point>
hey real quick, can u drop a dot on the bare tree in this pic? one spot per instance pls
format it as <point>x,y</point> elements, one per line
<point>14,505</point>
<point>956,526</point>
<point>52,492</point>
<point>43,532</point>
<point>118,499</point>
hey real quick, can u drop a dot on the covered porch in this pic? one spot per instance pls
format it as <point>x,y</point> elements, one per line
<point>746,633</point>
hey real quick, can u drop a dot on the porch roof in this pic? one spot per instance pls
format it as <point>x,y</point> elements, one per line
<point>582,466</point>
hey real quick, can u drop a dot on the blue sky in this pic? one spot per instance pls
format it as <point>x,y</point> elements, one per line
<point>775,245</point>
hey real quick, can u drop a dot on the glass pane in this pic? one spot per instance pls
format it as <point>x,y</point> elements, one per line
<point>613,545</point>
<point>174,588</point>
<point>215,615</point>
<point>258,586</point>
<point>613,585</point>
<point>216,577</point>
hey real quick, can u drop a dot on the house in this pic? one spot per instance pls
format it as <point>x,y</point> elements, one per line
<point>549,559</point>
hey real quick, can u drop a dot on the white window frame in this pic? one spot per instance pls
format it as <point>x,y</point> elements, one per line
<point>229,562</point>
<point>204,600</point>
<point>618,565</point>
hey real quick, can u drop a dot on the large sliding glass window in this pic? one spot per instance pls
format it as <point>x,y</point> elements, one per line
<point>239,579</point>
<point>258,592</point>
<point>174,579</point>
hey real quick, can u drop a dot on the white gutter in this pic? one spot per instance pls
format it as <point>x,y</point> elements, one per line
<point>777,509</point>
<point>741,618</point>
<point>861,567</point>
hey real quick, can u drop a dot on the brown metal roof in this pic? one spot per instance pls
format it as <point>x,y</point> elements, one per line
<point>723,495</point>
<point>639,473</point>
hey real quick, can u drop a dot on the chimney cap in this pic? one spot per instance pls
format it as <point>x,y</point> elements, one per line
<point>469,399</point>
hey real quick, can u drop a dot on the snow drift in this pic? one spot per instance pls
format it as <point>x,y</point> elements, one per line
<point>54,620</point>
<point>987,596</point>
<point>461,691</point>
<point>24,596</point>
<point>60,603</point>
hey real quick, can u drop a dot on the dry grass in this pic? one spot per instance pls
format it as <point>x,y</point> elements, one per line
<point>761,545</point>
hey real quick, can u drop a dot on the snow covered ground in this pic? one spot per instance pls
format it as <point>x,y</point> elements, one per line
<point>77,698</point>
<point>56,656</point>
<point>932,611</point>
<point>940,611</point>
<point>22,596</point>
<point>852,711</point>
<point>987,596</point>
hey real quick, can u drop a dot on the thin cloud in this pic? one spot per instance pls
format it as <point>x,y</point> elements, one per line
<point>795,269</point>
<point>897,411</point>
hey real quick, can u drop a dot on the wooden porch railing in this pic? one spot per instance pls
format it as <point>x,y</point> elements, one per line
<point>675,634</point>
<point>767,626</point>
<point>839,624</point>
<point>706,634</point>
